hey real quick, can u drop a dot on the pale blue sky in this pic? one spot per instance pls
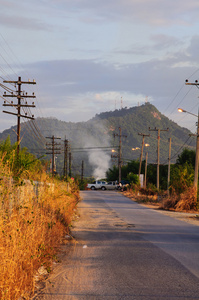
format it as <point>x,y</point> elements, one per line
<point>87,54</point>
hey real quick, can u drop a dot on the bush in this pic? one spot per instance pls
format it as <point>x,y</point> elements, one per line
<point>181,202</point>
<point>181,178</point>
<point>150,190</point>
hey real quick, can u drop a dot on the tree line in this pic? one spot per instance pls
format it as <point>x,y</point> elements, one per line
<point>181,173</point>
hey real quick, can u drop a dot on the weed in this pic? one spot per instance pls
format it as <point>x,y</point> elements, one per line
<point>31,230</point>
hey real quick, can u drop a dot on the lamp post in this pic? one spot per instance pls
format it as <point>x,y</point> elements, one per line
<point>146,145</point>
<point>140,165</point>
<point>197,150</point>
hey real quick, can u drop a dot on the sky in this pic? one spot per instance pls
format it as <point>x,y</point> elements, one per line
<point>91,56</point>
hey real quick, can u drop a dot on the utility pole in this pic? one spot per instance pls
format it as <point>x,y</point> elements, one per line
<point>169,166</point>
<point>70,163</point>
<point>18,106</point>
<point>197,158</point>
<point>82,171</point>
<point>197,143</point>
<point>53,150</point>
<point>158,152</point>
<point>143,136</point>
<point>195,184</point>
<point>145,170</point>
<point>120,152</point>
<point>65,158</point>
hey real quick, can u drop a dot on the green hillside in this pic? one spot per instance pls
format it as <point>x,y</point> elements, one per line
<point>102,132</point>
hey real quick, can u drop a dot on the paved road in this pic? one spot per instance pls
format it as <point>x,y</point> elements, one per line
<point>126,251</point>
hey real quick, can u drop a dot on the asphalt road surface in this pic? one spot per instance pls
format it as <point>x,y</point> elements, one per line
<point>126,251</point>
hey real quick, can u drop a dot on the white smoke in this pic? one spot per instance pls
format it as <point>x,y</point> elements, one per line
<point>99,159</point>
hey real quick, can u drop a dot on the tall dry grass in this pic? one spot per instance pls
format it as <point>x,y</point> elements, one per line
<point>185,201</point>
<point>31,230</point>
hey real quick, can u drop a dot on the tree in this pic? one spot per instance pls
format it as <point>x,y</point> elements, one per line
<point>112,174</point>
<point>187,156</point>
<point>181,177</point>
<point>25,163</point>
<point>129,172</point>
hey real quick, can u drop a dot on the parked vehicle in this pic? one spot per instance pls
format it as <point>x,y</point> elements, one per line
<point>111,185</point>
<point>96,185</point>
<point>103,185</point>
<point>122,184</point>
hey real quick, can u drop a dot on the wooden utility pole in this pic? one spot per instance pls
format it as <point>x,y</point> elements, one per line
<point>18,106</point>
<point>195,184</point>
<point>65,158</point>
<point>82,171</point>
<point>197,158</point>
<point>70,164</point>
<point>197,142</point>
<point>169,167</point>
<point>145,170</point>
<point>140,165</point>
<point>158,152</point>
<point>120,152</point>
<point>53,150</point>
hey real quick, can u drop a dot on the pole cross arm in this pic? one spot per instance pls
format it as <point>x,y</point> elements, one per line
<point>15,114</point>
<point>53,152</point>
<point>156,129</point>
<point>192,83</point>
<point>16,105</point>
<point>20,82</point>
<point>19,96</point>
<point>143,134</point>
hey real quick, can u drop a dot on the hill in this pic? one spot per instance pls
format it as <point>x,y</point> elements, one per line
<point>102,132</point>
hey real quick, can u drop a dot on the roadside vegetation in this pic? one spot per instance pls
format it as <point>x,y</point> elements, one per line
<point>181,195</point>
<point>35,214</point>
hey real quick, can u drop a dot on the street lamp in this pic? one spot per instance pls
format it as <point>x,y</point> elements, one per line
<point>197,150</point>
<point>137,148</point>
<point>185,111</point>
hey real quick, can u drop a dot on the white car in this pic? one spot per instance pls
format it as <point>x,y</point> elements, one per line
<point>96,185</point>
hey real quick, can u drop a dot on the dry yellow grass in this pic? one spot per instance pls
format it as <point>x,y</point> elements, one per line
<point>30,232</point>
<point>186,201</point>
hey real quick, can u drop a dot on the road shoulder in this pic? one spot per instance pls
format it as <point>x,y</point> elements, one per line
<point>191,217</point>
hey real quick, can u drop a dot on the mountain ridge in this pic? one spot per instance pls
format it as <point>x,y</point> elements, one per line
<point>103,131</point>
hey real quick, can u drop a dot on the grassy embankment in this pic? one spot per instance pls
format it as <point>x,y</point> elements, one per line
<point>31,230</point>
<point>185,201</point>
